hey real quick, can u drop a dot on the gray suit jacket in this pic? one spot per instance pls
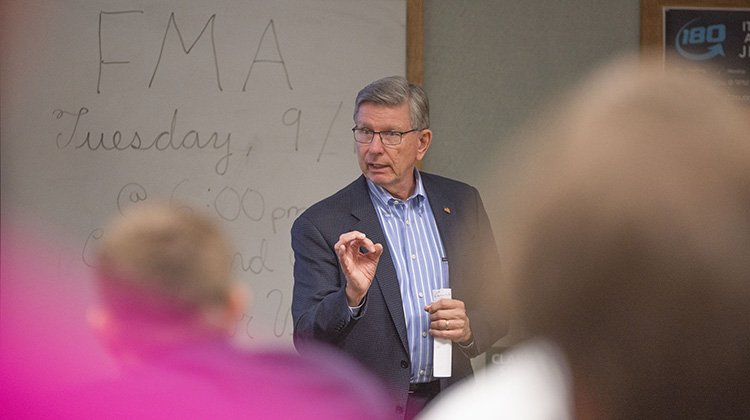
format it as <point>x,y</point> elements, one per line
<point>378,338</point>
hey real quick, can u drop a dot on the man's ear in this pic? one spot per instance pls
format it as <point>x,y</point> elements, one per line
<point>240,297</point>
<point>424,141</point>
<point>106,328</point>
<point>99,320</point>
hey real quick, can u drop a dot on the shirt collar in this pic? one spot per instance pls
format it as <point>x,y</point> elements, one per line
<point>383,198</point>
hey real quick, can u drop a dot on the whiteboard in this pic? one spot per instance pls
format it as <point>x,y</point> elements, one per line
<point>242,109</point>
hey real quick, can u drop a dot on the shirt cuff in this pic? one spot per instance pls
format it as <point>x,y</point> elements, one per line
<point>469,350</point>
<point>357,311</point>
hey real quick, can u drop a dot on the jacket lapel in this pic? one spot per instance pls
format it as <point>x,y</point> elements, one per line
<point>444,210</point>
<point>385,276</point>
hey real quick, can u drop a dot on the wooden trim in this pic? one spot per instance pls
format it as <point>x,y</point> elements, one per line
<point>415,41</point>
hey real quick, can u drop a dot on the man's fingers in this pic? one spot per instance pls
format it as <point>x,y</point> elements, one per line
<point>367,244</point>
<point>356,241</point>
<point>347,238</point>
<point>444,304</point>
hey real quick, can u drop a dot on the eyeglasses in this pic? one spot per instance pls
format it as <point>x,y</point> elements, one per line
<point>388,137</point>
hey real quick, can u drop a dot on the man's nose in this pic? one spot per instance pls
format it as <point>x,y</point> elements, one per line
<point>376,145</point>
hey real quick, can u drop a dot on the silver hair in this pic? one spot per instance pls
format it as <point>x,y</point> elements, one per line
<point>395,90</point>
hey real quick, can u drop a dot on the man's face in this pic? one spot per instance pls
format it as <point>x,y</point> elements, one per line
<point>391,167</point>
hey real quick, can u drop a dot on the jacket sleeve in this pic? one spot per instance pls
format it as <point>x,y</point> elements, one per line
<point>319,307</point>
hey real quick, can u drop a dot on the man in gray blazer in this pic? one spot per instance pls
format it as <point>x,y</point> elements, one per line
<point>368,257</point>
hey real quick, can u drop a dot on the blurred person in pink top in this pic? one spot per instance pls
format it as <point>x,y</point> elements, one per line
<point>168,306</point>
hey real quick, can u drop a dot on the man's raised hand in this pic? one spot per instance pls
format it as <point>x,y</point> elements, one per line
<point>358,257</point>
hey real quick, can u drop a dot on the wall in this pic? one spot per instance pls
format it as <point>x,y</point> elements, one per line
<point>489,66</point>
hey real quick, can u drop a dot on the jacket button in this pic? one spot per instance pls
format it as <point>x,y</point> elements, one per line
<point>404,364</point>
<point>399,409</point>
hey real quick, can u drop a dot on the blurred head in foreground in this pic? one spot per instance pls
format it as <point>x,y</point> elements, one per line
<point>628,244</point>
<point>169,303</point>
<point>164,278</point>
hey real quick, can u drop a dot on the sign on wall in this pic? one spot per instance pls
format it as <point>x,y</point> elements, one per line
<point>702,36</point>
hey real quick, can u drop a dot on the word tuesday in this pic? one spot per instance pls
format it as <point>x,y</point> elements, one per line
<point>164,141</point>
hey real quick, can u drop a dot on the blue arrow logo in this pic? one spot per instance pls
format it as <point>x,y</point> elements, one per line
<point>711,52</point>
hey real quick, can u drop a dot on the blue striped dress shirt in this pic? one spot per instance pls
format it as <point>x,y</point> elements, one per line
<point>419,258</point>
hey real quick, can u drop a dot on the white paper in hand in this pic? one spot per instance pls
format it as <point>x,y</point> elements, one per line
<point>443,348</point>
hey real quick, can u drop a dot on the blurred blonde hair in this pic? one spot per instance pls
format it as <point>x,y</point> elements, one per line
<point>158,258</point>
